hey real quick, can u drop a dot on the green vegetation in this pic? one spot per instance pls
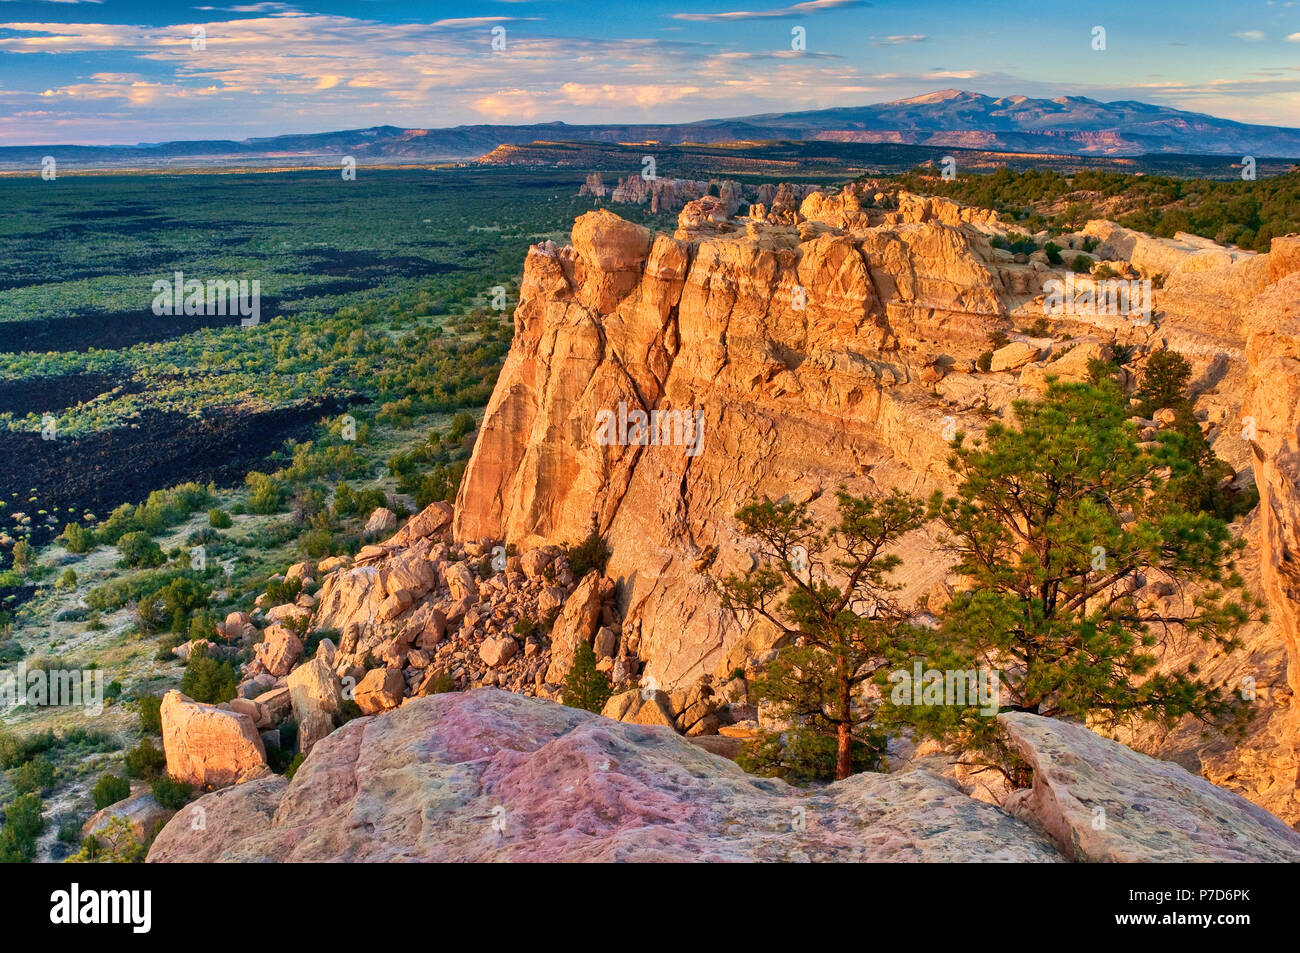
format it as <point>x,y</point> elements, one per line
<point>34,777</point>
<point>23,823</point>
<point>150,711</point>
<point>110,789</point>
<point>139,551</point>
<point>1059,522</point>
<point>1164,382</point>
<point>114,843</point>
<point>170,793</point>
<point>1248,214</point>
<point>830,645</point>
<point>591,553</point>
<point>1202,486</point>
<point>208,680</point>
<point>145,761</point>
<point>584,686</point>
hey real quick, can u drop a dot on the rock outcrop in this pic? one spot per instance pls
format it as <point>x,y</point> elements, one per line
<point>1101,801</point>
<point>208,746</point>
<point>487,775</point>
<point>817,344</point>
<point>657,383</point>
<point>1271,425</point>
<point>143,815</point>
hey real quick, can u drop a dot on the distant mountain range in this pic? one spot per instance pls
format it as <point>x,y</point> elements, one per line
<point>1070,125</point>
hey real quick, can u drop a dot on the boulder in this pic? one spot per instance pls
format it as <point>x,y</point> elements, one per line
<point>279,651</point>
<point>331,563</point>
<point>1014,355</point>
<point>396,603</point>
<point>382,520</point>
<point>314,690</point>
<point>430,521</point>
<point>142,813</point>
<point>550,600</point>
<point>411,572</point>
<point>209,747</point>
<point>380,690</point>
<point>237,626</point>
<point>426,628</point>
<point>534,562</point>
<point>256,685</point>
<point>461,582</point>
<point>305,571</point>
<point>290,612</point>
<point>577,622</point>
<point>277,703</point>
<point>251,708</point>
<point>605,643</point>
<point>312,730</point>
<point>491,776</point>
<point>640,707</point>
<point>497,650</point>
<point>1103,802</point>
<point>186,649</point>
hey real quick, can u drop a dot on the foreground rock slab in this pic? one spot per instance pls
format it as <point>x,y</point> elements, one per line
<point>1102,801</point>
<point>489,776</point>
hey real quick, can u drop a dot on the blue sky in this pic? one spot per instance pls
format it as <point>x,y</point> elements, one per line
<point>114,71</point>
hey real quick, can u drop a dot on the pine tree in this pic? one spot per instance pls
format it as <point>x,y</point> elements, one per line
<point>833,638</point>
<point>1164,382</point>
<point>1062,523</point>
<point>585,686</point>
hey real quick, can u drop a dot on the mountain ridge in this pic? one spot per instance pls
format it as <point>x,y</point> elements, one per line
<point>1067,125</point>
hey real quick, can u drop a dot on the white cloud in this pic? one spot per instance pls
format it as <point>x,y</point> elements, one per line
<point>797,10</point>
<point>1252,36</point>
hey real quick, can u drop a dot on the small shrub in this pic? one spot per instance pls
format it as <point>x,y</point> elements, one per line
<point>23,824</point>
<point>77,539</point>
<point>208,680</point>
<point>109,790</point>
<point>114,843</point>
<point>139,551</point>
<point>170,793</point>
<point>145,761</point>
<point>219,519</point>
<point>590,554</point>
<point>150,709</point>
<point>585,687</point>
<point>34,777</point>
<point>280,591</point>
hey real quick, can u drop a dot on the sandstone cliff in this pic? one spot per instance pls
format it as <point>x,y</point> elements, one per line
<point>831,343</point>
